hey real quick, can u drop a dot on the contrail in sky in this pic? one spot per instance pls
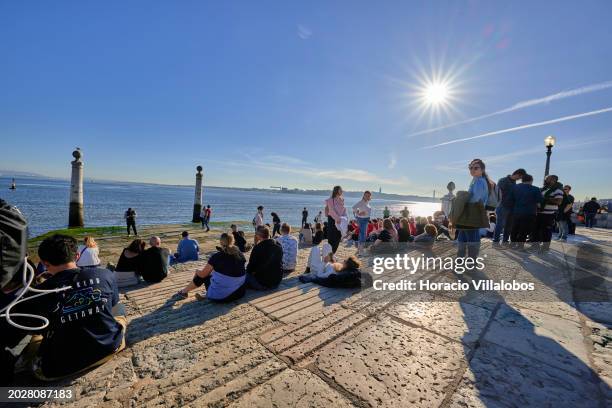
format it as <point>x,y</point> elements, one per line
<point>524,104</point>
<point>530,125</point>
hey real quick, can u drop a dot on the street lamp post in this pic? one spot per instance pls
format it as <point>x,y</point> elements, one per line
<point>549,142</point>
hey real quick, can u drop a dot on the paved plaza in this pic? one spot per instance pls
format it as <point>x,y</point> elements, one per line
<point>303,345</point>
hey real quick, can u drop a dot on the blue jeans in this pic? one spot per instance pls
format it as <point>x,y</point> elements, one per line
<point>501,214</point>
<point>363,228</point>
<point>468,239</point>
<point>563,229</point>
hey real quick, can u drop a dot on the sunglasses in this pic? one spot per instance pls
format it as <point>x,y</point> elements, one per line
<point>474,167</point>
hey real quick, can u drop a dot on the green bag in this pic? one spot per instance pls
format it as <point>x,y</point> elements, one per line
<point>473,215</point>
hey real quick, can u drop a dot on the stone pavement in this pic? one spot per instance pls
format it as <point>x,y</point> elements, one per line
<point>308,346</point>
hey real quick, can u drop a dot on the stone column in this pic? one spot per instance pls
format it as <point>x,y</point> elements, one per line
<point>197,204</point>
<point>75,217</point>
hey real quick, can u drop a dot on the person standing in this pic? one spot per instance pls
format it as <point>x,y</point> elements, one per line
<point>304,216</point>
<point>335,211</point>
<point>552,195</point>
<point>363,211</point>
<point>276,222</point>
<point>205,217</point>
<point>565,213</point>
<point>503,212</point>
<point>526,198</point>
<point>258,220</point>
<point>405,213</point>
<point>469,233</point>
<point>386,212</point>
<point>590,210</point>
<point>130,220</point>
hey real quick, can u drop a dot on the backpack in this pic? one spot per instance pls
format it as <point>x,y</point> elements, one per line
<point>495,197</point>
<point>13,241</point>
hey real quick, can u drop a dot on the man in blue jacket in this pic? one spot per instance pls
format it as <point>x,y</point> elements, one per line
<point>187,250</point>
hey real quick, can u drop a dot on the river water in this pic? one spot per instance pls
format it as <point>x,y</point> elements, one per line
<point>45,203</point>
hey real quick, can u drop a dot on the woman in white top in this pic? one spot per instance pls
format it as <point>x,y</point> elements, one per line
<point>362,212</point>
<point>88,253</point>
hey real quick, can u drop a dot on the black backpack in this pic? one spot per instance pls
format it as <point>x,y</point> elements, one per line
<point>13,241</point>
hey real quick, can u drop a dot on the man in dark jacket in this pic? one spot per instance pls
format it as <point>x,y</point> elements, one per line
<point>526,198</point>
<point>590,210</point>
<point>154,261</point>
<point>264,270</point>
<point>503,212</point>
<point>83,329</point>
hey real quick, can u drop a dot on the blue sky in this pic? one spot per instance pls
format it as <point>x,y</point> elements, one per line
<point>306,94</point>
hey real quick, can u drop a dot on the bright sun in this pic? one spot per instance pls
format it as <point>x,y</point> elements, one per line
<point>436,93</point>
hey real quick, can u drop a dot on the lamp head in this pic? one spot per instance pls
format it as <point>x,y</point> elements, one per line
<point>549,141</point>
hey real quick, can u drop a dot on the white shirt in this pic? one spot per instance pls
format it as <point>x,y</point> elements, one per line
<point>88,257</point>
<point>362,209</point>
<point>259,219</point>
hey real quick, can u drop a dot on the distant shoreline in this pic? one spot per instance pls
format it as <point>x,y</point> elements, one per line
<point>375,194</point>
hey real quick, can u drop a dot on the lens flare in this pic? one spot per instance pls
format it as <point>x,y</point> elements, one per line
<point>435,93</point>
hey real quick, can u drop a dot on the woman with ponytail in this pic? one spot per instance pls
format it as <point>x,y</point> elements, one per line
<point>223,276</point>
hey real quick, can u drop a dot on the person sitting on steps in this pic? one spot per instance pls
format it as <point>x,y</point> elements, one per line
<point>223,275</point>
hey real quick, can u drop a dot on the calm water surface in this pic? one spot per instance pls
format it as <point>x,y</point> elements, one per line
<point>45,203</point>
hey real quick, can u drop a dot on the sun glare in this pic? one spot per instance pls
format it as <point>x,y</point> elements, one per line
<point>436,93</point>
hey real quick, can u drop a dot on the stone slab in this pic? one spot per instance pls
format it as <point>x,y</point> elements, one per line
<point>498,377</point>
<point>552,340</point>
<point>459,321</point>
<point>389,364</point>
<point>291,388</point>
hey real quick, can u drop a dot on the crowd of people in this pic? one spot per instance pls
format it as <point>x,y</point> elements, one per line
<point>510,212</point>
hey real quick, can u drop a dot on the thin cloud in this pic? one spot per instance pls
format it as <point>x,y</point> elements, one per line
<point>521,127</point>
<point>288,165</point>
<point>304,32</point>
<point>524,104</point>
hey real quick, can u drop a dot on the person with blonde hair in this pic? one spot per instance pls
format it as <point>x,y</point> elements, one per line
<point>88,253</point>
<point>223,276</point>
<point>363,211</point>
